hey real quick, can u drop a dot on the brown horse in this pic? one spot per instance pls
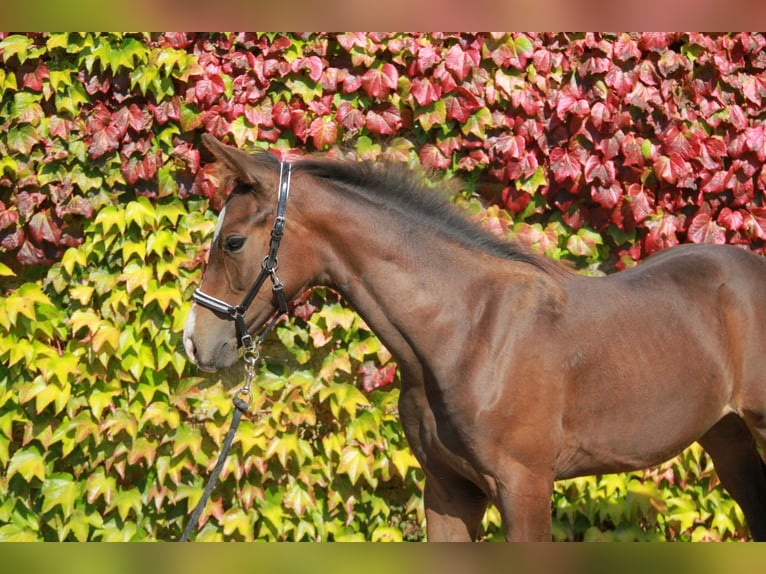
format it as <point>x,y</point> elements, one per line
<point>515,372</point>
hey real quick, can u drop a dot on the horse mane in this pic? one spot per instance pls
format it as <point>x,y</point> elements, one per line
<point>402,190</point>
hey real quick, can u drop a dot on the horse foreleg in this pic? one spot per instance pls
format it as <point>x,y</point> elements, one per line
<point>740,468</point>
<point>454,510</point>
<point>524,501</point>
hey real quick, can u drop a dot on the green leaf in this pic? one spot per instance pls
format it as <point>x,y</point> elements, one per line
<point>16,533</point>
<point>141,212</point>
<point>15,45</point>
<point>125,501</point>
<point>23,139</point>
<point>57,41</point>
<point>109,217</point>
<point>356,464</point>
<point>29,463</point>
<point>524,45</point>
<point>62,490</point>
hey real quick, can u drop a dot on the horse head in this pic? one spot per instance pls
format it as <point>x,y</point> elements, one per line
<point>246,250</point>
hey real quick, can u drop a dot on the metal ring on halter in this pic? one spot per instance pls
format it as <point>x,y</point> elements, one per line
<point>251,357</point>
<point>271,268</point>
<point>243,405</point>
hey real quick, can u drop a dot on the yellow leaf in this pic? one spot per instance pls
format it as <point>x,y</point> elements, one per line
<point>106,334</point>
<point>82,293</point>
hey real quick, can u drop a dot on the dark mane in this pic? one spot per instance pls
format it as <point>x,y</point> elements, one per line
<point>398,188</point>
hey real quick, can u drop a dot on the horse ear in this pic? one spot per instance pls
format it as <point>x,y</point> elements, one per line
<point>240,164</point>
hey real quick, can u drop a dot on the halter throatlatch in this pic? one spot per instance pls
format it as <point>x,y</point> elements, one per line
<point>268,270</point>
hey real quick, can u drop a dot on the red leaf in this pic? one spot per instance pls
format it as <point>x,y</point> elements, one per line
<point>214,122</point>
<point>34,80</point>
<point>313,64</point>
<point>731,220</point>
<point>425,91</point>
<point>27,202</point>
<point>281,113</point>
<point>351,83</point>
<point>570,104</point>
<point>43,228</point>
<point>662,233</point>
<point>260,115</point>
<point>674,141</point>
<point>323,133</point>
<point>374,378</point>
<point>703,229</point>
<point>565,165</point>
<point>432,158</point>
<point>385,119</point>
<point>626,49</point>
<point>208,88</point>
<point>737,117</point>
<point>755,221</point>
<point>640,204</point>
<point>599,115</point>
<point>756,141</point>
<point>349,117</point>
<point>671,168</point>
<point>716,183</point>
<point>460,62</point>
<point>621,80</point>
<point>460,107</point>
<point>8,217</point>
<point>427,58</point>
<point>596,170</point>
<point>379,83</point>
<point>606,196</point>
<point>104,136</point>
<point>654,41</point>
<point>299,123</point>
<point>631,149</point>
<point>28,254</point>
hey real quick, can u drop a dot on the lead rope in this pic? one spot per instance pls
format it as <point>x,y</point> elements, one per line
<point>241,405</point>
<point>251,353</point>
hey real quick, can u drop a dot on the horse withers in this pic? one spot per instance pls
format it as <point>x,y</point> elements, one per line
<point>515,372</point>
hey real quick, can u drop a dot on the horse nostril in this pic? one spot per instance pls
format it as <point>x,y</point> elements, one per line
<point>191,350</point>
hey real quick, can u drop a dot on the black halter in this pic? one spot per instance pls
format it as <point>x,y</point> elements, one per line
<point>268,269</point>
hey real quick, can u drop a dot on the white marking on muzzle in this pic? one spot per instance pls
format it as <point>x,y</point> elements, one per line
<point>188,330</point>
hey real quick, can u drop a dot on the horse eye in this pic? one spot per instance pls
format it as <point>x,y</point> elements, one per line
<point>234,243</point>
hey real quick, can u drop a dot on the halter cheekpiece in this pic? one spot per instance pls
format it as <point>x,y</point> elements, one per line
<point>268,269</point>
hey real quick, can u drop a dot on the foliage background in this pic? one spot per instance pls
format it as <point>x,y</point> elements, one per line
<point>596,149</point>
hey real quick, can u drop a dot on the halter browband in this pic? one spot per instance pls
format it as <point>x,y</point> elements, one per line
<point>268,269</point>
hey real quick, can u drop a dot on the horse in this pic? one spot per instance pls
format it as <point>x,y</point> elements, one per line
<point>516,371</point>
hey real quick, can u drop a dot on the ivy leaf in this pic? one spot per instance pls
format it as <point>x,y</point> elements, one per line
<point>62,490</point>
<point>584,243</point>
<point>384,119</point>
<point>425,91</point>
<point>43,228</point>
<point>323,132</point>
<point>460,62</point>
<point>27,462</point>
<point>23,139</point>
<point>432,157</point>
<point>565,165</point>
<point>703,229</point>
<point>15,45</point>
<point>378,83</point>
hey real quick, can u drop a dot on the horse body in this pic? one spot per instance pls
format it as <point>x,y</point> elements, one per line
<point>515,372</point>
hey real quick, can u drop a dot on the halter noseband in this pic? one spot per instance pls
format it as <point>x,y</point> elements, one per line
<point>268,269</point>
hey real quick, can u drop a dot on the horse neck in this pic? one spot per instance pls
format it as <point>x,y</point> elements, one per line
<point>415,287</point>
